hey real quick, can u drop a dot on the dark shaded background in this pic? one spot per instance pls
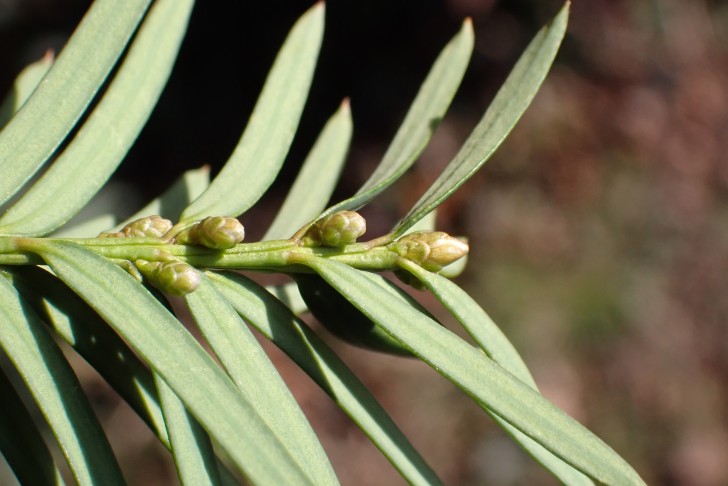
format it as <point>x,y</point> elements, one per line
<point>599,231</point>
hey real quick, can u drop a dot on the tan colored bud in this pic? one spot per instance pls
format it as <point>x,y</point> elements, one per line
<point>114,234</point>
<point>336,230</point>
<point>149,227</point>
<point>172,277</point>
<point>217,232</point>
<point>432,250</point>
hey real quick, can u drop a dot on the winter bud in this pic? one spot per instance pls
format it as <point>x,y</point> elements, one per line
<point>432,250</point>
<point>336,230</point>
<point>114,234</point>
<point>216,232</point>
<point>172,277</point>
<point>149,227</point>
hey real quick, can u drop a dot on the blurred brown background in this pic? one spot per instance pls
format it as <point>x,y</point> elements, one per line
<point>599,231</point>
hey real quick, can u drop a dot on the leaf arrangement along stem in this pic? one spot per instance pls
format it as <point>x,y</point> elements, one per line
<point>105,286</point>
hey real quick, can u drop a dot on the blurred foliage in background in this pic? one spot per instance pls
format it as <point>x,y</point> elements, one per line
<point>598,232</point>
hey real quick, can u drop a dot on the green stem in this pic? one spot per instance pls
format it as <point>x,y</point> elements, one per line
<point>275,255</point>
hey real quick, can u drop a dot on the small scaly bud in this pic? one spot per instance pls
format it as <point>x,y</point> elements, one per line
<point>216,232</point>
<point>150,227</point>
<point>111,234</point>
<point>172,277</point>
<point>336,230</point>
<point>432,250</point>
